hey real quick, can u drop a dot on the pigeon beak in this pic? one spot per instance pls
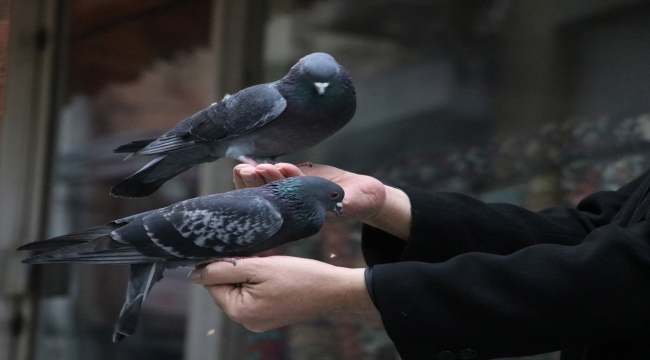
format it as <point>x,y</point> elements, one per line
<point>320,87</point>
<point>338,210</point>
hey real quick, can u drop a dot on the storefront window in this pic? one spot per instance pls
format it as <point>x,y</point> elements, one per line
<point>507,101</point>
<point>132,72</point>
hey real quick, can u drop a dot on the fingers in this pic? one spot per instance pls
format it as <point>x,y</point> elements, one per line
<point>245,175</point>
<point>221,272</point>
<point>269,173</point>
<point>237,177</point>
<point>289,170</point>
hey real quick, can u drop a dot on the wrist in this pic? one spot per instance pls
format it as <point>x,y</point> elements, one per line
<point>351,294</point>
<point>394,216</point>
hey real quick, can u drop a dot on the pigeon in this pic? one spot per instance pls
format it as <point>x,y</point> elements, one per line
<point>194,232</point>
<point>257,124</point>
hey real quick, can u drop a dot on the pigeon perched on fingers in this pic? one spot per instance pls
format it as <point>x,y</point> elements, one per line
<point>257,124</point>
<point>196,231</point>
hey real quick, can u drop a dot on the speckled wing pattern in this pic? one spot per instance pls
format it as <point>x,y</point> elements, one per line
<point>232,223</point>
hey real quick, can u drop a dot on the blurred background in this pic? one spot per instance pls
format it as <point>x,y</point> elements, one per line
<point>530,102</point>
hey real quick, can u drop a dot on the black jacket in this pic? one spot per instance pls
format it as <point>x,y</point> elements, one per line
<point>479,281</point>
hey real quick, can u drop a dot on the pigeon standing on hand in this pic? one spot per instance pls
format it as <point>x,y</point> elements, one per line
<point>313,101</point>
<point>196,231</point>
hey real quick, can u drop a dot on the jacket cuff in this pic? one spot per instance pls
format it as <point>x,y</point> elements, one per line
<point>367,275</point>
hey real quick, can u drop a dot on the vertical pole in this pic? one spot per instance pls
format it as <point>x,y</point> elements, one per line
<point>237,30</point>
<point>29,94</point>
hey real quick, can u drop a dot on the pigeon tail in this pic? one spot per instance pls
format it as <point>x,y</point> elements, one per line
<point>133,146</point>
<point>102,250</point>
<point>75,238</point>
<point>150,178</point>
<point>141,280</point>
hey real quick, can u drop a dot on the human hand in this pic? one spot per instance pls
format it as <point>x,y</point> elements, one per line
<point>270,292</point>
<point>366,198</point>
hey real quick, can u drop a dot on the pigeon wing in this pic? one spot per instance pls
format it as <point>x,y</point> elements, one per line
<point>235,115</point>
<point>225,223</point>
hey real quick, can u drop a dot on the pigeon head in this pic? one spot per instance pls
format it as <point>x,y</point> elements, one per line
<point>320,70</point>
<point>326,194</point>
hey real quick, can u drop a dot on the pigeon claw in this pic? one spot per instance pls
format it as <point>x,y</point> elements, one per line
<point>232,259</point>
<point>304,163</point>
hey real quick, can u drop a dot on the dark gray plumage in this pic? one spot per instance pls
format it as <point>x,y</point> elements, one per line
<point>313,101</point>
<point>196,231</point>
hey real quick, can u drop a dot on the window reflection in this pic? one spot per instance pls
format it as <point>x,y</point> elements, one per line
<point>470,96</point>
<point>134,69</point>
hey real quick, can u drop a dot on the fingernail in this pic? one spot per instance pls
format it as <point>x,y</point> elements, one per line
<point>194,275</point>
<point>248,177</point>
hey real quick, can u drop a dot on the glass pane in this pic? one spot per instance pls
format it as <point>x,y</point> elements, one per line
<point>132,71</point>
<point>425,86</point>
<point>518,102</point>
<point>495,99</point>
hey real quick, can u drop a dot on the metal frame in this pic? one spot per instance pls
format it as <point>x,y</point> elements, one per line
<point>24,157</point>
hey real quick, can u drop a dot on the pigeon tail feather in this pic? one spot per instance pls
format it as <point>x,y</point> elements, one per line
<point>75,238</point>
<point>102,250</point>
<point>141,280</point>
<point>133,146</point>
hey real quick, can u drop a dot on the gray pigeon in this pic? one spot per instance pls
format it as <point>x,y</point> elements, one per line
<point>313,101</point>
<point>196,231</point>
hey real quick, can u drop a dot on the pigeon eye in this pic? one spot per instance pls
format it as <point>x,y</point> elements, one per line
<point>334,195</point>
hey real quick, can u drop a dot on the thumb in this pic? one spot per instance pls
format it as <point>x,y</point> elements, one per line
<point>222,272</point>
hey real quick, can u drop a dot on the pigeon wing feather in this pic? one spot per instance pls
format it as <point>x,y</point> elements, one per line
<point>224,222</point>
<point>237,114</point>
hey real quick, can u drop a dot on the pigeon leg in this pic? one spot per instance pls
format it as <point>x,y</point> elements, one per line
<point>304,163</point>
<point>142,278</point>
<point>233,259</point>
<point>247,160</point>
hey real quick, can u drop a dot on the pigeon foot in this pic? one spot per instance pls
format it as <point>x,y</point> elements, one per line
<point>247,160</point>
<point>305,163</point>
<point>233,259</point>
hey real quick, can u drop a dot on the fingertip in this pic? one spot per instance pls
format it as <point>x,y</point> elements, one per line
<point>288,170</point>
<point>270,173</point>
<point>249,170</point>
<point>242,166</point>
<point>266,167</point>
<point>195,275</point>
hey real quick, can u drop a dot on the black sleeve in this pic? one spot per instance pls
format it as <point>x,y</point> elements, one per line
<point>448,224</point>
<point>542,298</point>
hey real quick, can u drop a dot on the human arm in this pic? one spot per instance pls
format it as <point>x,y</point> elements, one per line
<point>497,305</point>
<point>445,225</point>
<point>439,226</point>
<point>542,298</point>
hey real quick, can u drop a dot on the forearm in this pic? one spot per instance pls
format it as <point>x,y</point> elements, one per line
<point>542,298</point>
<point>444,225</point>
